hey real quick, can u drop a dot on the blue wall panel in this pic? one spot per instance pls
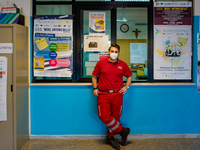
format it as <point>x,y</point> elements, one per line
<point>66,110</point>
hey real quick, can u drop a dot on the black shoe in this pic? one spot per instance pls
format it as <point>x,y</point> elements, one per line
<point>124,134</point>
<point>111,141</point>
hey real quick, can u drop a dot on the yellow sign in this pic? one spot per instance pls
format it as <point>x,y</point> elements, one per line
<point>63,47</point>
<point>39,63</point>
<point>41,43</point>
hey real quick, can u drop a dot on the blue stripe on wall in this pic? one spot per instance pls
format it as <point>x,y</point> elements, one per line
<point>66,110</point>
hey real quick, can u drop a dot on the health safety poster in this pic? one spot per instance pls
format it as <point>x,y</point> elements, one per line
<point>53,46</point>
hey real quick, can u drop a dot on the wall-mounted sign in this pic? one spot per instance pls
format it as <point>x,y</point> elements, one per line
<point>172,40</point>
<point>3,88</point>
<point>96,43</point>
<point>53,46</point>
<point>172,52</point>
<point>6,48</point>
<point>198,80</point>
<point>173,13</point>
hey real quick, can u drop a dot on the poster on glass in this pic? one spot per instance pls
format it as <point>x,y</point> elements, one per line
<point>198,80</point>
<point>173,13</point>
<point>97,23</point>
<point>53,47</point>
<point>95,43</point>
<point>172,52</point>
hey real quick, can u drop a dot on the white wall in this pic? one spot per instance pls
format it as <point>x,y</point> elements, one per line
<point>196,5</point>
<point>25,4</point>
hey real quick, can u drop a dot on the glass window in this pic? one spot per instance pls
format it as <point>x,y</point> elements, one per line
<point>53,9</point>
<point>134,0</point>
<point>93,0</point>
<point>90,58</point>
<point>132,37</point>
<point>170,0</point>
<point>53,0</point>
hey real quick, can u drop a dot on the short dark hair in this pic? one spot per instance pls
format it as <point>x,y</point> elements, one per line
<point>116,46</point>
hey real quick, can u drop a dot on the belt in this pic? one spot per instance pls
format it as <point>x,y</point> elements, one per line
<point>111,91</point>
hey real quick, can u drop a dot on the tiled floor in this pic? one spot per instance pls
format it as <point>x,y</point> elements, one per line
<point>132,144</point>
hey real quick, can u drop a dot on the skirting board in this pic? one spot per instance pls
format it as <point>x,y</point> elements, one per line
<point>136,136</point>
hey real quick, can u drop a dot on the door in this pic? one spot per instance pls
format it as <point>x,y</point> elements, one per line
<point>94,37</point>
<point>7,127</point>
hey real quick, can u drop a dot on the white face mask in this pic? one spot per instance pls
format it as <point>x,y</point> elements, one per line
<point>113,56</point>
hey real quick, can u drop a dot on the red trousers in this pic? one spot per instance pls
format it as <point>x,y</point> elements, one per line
<point>110,111</point>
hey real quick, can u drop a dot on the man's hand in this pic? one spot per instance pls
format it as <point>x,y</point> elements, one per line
<point>123,90</point>
<point>95,92</point>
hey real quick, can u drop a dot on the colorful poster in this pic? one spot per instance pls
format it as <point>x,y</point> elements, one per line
<point>172,52</point>
<point>97,23</point>
<point>198,55</point>
<point>53,47</point>
<point>95,43</point>
<point>3,88</point>
<point>173,13</point>
<point>198,80</point>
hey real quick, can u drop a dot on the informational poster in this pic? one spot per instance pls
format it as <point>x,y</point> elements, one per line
<point>198,55</point>
<point>172,40</point>
<point>95,43</point>
<point>173,13</point>
<point>138,52</point>
<point>97,23</point>
<point>172,52</point>
<point>198,80</point>
<point>3,88</point>
<point>53,46</point>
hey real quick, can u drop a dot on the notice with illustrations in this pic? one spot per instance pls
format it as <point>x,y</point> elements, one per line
<point>53,47</point>
<point>172,52</point>
<point>198,48</point>
<point>3,88</point>
<point>198,80</point>
<point>96,43</point>
<point>97,23</point>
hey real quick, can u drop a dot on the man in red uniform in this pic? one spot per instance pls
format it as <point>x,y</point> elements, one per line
<point>110,97</point>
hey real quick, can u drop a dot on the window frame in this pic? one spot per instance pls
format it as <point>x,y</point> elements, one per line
<point>77,7</point>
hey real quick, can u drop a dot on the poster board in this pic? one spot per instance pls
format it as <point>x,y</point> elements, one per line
<point>53,46</point>
<point>3,88</point>
<point>97,23</point>
<point>172,40</point>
